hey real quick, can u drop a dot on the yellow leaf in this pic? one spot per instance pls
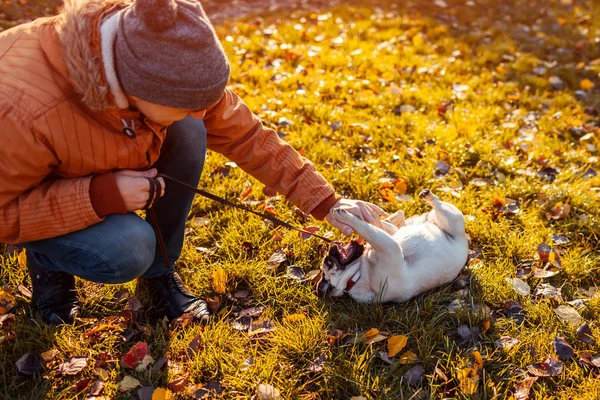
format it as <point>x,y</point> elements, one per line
<point>295,317</point>
<point>486,326</point>
<point>385,190</point>
<point>401,185</point>
<point>468,380</point>
<point>102,373</point>
<point>7,302</point>
<point>396,344</point>
<point>418,40</point>
<point>22,259</point>
<point>478,363</point>
<point>408,357</point>
<point>500,69</point>
<point>370,334</point>
<point>162,394</point>
<point>586,84</point>
<point>219,281</point>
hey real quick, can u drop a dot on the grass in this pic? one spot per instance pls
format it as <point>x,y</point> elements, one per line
<point>340,76</point>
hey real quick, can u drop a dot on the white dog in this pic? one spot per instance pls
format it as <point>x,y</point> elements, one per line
<point>405,258</point>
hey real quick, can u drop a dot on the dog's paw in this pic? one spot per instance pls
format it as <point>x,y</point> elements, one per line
<point>343,215</point>
<point>426,195</point>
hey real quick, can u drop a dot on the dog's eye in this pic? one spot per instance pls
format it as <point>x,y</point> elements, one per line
<point>328,262</point>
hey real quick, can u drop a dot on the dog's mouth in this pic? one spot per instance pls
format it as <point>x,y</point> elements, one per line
<point>340,255</point>
<point>346,254</point>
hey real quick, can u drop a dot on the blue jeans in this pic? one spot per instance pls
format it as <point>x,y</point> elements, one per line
<point>123,247</point>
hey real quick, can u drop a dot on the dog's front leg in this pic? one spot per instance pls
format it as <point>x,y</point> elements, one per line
<point>383,243</point>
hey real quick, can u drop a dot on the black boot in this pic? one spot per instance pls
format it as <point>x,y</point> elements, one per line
<point>53,294</point>
<point>172,299</point>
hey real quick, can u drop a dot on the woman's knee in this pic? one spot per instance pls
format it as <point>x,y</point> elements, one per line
<point>135,248</point>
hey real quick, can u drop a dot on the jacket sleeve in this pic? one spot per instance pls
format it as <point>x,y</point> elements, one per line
<point>234,131</point>
<point>31,209</point>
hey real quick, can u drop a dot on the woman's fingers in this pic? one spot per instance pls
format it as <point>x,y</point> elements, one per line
<point>377,209</point>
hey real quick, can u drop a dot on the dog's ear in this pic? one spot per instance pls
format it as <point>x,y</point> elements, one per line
<point>335,252</point>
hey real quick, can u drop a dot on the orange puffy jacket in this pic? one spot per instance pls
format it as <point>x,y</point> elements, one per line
<point>59,128</point>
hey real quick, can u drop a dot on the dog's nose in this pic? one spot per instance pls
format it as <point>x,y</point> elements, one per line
<point>322,287</point>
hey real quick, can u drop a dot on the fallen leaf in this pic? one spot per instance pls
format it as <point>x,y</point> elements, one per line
<point>96,388</point>
<point>586,84</point>
<point>251,312</point>
<point>585,357</point>
<point>194,346</point>
<point>373,335</point>
<point>219,281</point>
<point>128,383</point>
<point>408,357</point>
<point>396,344</point>
<point>559,211</point>
<point>295,272</point>
<point>145,363</point>
<point>213,304</point>
<point>549,292</point>
<point>568,314</point>
<point>335,336</point>
<point>49,355</point>
<point>513,310</point>
<point>559,239</point>
<point>386,192</point>
<point>22,259</point>
<point>73,365</point>
<point>468,380</point>
<point>401,185</point>
<point>584,333</point>
<point>179,384</point>
<point>135,355</point>
<point>25,291</point>
<point>211,389</point>
<point>441,169</point>
<point>519,286</point>
<point>7,302</point>
<point>30,364</point>
<point>184,320</point>
<point>523,388</point>
<point>562,348</point>
<point>261,326</point>
<point>277,259</point>
<point>467,336</point>
<point>414,375</point>
<point>162,394</point>
<point>145,392</point>
<point>267,392</point>
<point>102,373</point>
<point>82,384</point>
<point>550,367</point>
<point>311,229</point>
<point>506,342</point>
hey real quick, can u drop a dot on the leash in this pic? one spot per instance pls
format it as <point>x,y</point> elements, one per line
<point>154,222</point>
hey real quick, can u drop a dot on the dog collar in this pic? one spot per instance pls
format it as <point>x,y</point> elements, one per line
<point>350,284</point>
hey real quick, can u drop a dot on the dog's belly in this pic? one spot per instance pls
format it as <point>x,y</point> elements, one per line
<point>425,244</point>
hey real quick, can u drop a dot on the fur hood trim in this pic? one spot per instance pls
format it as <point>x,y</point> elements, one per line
<point>78,31</point>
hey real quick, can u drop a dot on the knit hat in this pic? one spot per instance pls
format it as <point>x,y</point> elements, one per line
<point>167,53</point>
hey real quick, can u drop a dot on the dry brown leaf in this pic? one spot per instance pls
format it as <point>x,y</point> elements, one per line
<point>7,302</point>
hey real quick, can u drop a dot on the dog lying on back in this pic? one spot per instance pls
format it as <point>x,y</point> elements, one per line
<point>405,258</point>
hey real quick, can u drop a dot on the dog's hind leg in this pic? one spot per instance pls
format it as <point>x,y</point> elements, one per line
<point>445,215</point>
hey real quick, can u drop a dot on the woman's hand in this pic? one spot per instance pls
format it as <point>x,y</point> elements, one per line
<point>135,187</point>
<point>366,211</point>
